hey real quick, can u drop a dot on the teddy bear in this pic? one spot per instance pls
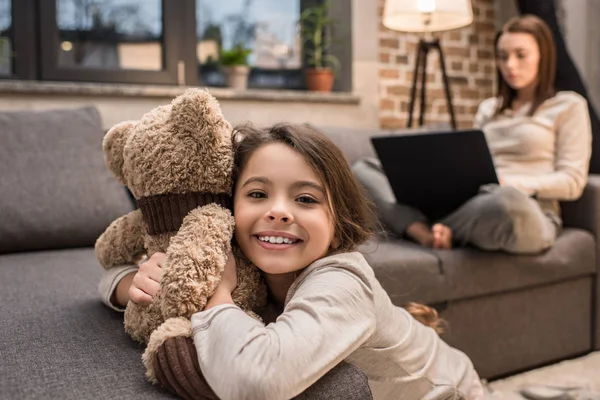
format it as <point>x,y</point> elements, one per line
<point>177,162</point>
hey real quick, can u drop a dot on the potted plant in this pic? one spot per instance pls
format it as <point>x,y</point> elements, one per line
<point>316,26</point>
<point>234,63</point>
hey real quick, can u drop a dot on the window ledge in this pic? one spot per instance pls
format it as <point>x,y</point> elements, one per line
<point>122,90</point>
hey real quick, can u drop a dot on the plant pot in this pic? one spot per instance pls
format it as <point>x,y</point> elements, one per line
<point>237,76</point>
<point>319,79</point>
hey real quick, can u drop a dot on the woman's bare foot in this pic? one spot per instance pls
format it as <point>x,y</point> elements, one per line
<point>421,233</point>
<point>442,237</point>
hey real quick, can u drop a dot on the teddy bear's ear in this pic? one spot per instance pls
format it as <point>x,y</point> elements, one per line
<point>196,112</point>
<point>113,146</point>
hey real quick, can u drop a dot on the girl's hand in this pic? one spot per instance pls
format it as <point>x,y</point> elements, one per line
<point>222,294</point>
<point>145,282</point>
<point>229,278</point>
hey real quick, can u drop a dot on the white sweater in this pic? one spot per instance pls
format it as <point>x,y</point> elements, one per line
<point>335,310</point>
<point>547,154</point>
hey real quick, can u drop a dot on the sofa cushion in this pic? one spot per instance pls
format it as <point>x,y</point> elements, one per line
<point>356,142</point>
<point>58,340</point>
<point>56,190</point>
<point>406,271</point>
<point>473,273</point>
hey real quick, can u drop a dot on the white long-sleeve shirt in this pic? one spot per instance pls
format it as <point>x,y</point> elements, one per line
<point>547,154</point>
<point>335,310</point>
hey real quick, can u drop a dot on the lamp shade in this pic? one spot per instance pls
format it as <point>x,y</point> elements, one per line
<point>427,15</point>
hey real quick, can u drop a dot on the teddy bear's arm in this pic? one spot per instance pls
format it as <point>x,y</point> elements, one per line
<point>122,242</point>
<point>196,260</point>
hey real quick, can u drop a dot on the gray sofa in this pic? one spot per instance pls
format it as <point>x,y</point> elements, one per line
<point>58,341</point>
<point>508,313</point>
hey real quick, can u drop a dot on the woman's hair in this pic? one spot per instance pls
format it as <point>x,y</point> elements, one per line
<point>545,89</point>
<point>353,214</point>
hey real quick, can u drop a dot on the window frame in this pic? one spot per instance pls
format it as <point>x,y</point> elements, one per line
<point>49,44</point>
<point>23,45</point>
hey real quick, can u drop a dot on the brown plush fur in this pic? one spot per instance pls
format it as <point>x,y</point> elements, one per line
<point>122,242</point>
<point>179,148</point>
<point>197,257</point>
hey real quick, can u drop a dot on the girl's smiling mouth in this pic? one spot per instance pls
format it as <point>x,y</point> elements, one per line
<point>276,240</point>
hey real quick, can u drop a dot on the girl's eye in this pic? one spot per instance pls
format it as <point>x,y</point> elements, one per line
<point>257,195</point>
<point>306,200</point>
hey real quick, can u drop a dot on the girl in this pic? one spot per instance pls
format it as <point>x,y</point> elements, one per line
<point>300,215</point>
<point>540,141</point>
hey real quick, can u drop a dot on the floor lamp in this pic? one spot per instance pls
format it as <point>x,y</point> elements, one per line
<point>427,17</point>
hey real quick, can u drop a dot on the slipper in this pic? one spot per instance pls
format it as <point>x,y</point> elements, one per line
<point>540,392</point>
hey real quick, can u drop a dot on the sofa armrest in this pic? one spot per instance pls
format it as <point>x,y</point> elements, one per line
<point>584,213</point>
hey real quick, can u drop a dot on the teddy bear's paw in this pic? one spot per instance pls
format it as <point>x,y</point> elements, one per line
<point>171,328</point>
<point>177,370</point>
<point>141,321</point>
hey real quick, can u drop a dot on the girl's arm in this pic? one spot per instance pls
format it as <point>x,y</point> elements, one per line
<point>329,316</point>
<point>114,285</point>
<point>131,282</point>
<point>573,151</point>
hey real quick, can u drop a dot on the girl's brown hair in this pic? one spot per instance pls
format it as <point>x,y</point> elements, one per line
<point>353,214</point>
<point>545,89</point>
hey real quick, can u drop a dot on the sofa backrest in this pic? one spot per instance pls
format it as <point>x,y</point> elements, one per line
<point>355,143</point>
<point>55,189</point>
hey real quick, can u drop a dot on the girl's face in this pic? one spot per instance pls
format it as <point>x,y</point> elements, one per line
<point>282,219</point>
<point>518,59</point>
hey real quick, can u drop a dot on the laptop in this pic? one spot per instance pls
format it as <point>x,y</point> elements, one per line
<point>436,172</point>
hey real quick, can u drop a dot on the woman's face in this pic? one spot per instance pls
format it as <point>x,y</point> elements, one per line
<point>518,59</point>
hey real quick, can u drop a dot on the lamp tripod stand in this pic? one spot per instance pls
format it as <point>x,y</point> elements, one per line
<point>420,68</point>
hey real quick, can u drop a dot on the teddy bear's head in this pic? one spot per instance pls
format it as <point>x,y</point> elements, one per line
<point>184,147</point>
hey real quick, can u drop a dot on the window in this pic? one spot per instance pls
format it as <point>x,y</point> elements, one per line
<point>110,40</point>
<point>120,34</point>
<point>269,28</point>
<point>172,42</point>
<point>6,41</point>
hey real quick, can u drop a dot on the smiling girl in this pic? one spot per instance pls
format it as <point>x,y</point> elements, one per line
<point>300,216</point>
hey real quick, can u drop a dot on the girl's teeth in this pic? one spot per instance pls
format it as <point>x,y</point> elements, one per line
<point>275,239</point>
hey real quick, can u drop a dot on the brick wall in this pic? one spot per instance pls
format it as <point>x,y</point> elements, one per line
<point>469,57</point>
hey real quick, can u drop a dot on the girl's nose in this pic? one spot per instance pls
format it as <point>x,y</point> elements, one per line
<point>279,212</point>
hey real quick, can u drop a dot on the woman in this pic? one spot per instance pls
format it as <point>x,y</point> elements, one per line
<point>540,141</point>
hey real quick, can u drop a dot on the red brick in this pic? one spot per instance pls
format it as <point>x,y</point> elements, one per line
<point>389,43</point>
<point>456,51</point>
<point>485,82</point>
<point>456,66</point>
<point>387,104</point>
<point>485,54</point>
<point>384,57</point>
<point>399,90</point>
<point>455,35</point>
<point>391,123</point>
<point>389,73</point>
